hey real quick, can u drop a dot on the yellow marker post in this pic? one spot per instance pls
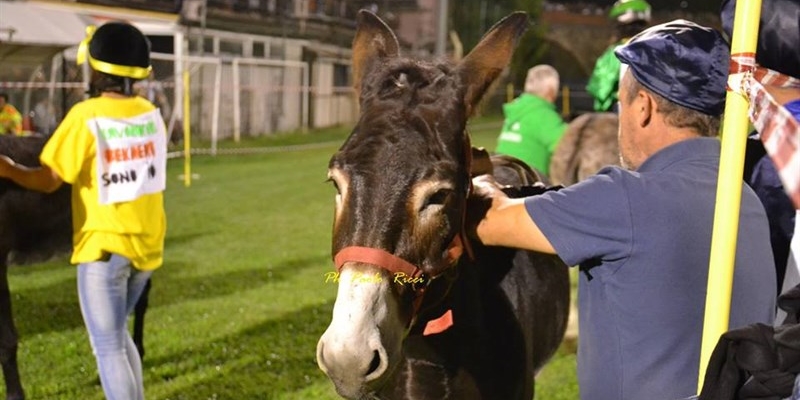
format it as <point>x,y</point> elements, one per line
<point>187,155</point>
<point>729,191</point>
<point>565,101</point>
<point>509,92</point>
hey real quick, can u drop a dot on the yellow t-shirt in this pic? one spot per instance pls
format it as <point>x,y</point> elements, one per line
<point>132,139</point>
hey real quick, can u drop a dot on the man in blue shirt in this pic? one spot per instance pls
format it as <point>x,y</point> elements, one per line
<point>641,234</point>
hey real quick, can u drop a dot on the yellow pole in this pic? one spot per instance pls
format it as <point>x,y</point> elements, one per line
<point>565,101</point>
<point>187,155</point>
<point>729,191</point>
<point>509,92</point>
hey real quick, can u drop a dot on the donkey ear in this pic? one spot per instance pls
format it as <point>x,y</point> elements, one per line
<point>374,40</point>
<point>486,61</point>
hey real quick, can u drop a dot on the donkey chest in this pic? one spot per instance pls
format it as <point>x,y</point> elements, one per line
<point>422,379</point>
<point>468,362</point>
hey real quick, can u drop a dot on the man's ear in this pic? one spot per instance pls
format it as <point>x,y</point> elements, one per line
<point>645,108</point>
<point>552,94</point>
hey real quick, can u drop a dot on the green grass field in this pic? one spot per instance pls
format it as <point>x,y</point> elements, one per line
<point>237,308</point>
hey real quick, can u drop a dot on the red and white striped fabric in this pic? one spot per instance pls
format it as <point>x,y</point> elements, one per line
<point>778,129</point>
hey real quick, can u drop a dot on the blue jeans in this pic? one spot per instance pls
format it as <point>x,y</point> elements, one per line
<point>108,292</point>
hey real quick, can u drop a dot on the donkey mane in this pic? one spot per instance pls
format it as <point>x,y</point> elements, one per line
<point>407,81</point>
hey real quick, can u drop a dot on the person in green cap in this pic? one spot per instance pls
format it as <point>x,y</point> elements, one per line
<point>630,17</point>
<point>532,127</point>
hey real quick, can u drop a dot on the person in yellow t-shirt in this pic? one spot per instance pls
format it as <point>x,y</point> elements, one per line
<point>10,118</point>
<point>112,149</point>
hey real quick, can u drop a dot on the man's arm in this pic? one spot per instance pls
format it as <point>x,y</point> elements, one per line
<point>507,222</point>
<point>41,179</point>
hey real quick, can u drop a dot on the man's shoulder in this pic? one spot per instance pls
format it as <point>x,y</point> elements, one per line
<point>608,186</point>
<point>753,206</point>
<point>616,174</point>
<point>541,111</point>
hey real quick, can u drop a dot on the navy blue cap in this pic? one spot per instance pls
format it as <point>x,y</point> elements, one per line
<point>684,62</point>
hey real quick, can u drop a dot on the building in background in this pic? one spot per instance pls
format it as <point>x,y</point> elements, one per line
<point>255,66</point>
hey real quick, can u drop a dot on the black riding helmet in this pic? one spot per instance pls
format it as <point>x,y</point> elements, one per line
<point>119,53</point>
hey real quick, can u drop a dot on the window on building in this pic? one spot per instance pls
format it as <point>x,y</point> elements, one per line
<point>161,44</point>
<point>208,45</point>
<point>259,49</point>
<point>341,75</point>
<point>277,50</point>
<point>230,47</point>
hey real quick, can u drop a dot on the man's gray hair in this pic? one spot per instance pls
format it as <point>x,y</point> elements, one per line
<point>541,79</point>
<point>675,114</point>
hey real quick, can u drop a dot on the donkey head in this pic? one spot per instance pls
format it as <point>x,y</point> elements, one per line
<point>402,178</point>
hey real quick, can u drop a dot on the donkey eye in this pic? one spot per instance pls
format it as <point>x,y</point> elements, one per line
<point>438,198</point>
<point>335,185</point>
<point>338,197</point>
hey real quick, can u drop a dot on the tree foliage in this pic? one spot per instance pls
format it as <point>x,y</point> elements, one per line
<point>472,18</point>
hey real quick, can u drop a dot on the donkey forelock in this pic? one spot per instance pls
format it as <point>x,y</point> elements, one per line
<point>414,86</point>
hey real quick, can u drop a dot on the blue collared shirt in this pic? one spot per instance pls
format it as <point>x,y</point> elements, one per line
<point>643,240</point>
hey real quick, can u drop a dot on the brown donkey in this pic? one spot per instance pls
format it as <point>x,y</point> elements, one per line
<point>422,312</point>
<point>589,144</point>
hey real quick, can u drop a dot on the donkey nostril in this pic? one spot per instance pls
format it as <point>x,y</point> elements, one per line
<point>375,363</point>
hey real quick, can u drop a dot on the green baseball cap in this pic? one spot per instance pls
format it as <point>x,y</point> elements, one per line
<point>627,11</point>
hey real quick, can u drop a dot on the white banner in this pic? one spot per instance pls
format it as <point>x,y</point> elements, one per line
<point>131,156</point>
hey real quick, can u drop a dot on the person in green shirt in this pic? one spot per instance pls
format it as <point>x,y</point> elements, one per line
<point>630,17</point>
<point>532,127</point>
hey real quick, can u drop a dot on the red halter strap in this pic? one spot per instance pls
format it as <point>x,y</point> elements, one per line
<point>386,261</point>
<point>394,265</point>
<point>377,257</point>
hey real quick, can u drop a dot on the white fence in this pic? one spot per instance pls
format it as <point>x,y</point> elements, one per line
<point>275,92</point>
<point>230,98</point>
<point>234,98</point>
